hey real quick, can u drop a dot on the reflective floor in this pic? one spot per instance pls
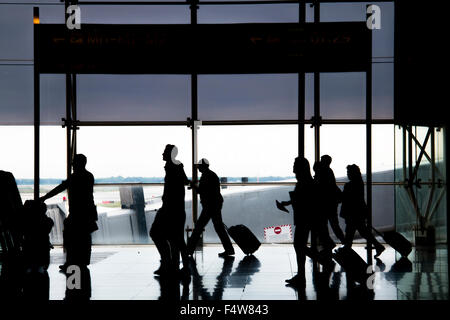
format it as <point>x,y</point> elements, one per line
<point>126,273</point>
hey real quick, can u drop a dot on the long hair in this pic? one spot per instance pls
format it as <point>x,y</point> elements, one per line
<point>354,173</point>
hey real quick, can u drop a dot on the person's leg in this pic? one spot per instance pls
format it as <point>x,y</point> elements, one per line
<point>86,249</point>
<point>334,223</point>
<point>350,230</point>
<point>177,243</point>
<point>364,231</point>
<point>160,240</point>
<point>300,244</point>
<point>221,232</point>
<point>198,229</point>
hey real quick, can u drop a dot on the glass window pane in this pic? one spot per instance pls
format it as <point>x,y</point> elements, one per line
<point>346,144</point>
<point>343,95</point>
<point>53,98</point>
<point>16,92</point>
<point>53,155</point>
<point>260,153</point>
<point>133,97</point>
<point>383,153</point>
<point>122,14</point>
<point>309,95</point>
<point>248,13</point>
<point>383,91</point>
<point>342,12</point>
<point>383,207</point>
<point>17,144</point>
<point>132,154</point>
<point>16,36</point>
<point>248,97</point>
<point>309,145</point>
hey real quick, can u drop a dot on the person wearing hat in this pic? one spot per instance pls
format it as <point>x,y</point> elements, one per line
<point>212,201</point>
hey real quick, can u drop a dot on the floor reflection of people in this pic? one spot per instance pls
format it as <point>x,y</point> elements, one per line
<point>244,271</point>
<point>221,280</point>
<point>357,292</point>
<point>241,277</point>
<point>321,284</point>
<point>170,288</point>
<point>36,285</point>
<point>11,280</point>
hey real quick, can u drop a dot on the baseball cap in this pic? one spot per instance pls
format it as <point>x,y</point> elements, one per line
<point>203,161</point>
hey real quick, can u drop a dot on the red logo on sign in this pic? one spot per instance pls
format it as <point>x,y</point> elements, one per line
<point>277,230</point>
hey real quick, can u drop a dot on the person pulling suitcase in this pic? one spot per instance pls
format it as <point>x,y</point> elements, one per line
<point>212,201</point>
<point>354,210</point>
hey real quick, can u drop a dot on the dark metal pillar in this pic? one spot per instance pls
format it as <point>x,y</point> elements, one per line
<point>301,93</point>
<point>369,156</point>
<point>316,121</point>
<point>37,107</point>
<point>194,117</point>
<point>68,119</point>
<point>447,174</point>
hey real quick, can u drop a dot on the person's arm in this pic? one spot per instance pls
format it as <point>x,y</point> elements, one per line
<point>54,191</point>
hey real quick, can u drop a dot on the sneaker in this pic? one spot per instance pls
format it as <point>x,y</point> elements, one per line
<point>226,253</point>
<point>296,281</point>
<point>161,271</point>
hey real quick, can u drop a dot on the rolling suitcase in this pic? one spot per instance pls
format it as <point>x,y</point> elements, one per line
<point>398,242</point>
<point>353,264</point>
<point>244,238</point>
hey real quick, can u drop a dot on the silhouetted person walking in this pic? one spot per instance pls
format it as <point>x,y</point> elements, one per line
<point>324,203</point>
<point>354,210</point>
<point>303,202</point>
<point>331,195</point>
<point>167,230</point>
<point>212,201</point>
<point>82,218</point>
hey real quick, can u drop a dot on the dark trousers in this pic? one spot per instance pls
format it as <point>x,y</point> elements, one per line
<point>301,235</point>
<point>214,214</point>
<point>178,245</point>
<point>78,245</point>
<point>168,237</point>
<point>334,223</point>
<point>360,225</point>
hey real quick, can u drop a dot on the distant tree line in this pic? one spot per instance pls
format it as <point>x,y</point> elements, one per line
<point>119,179</point>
